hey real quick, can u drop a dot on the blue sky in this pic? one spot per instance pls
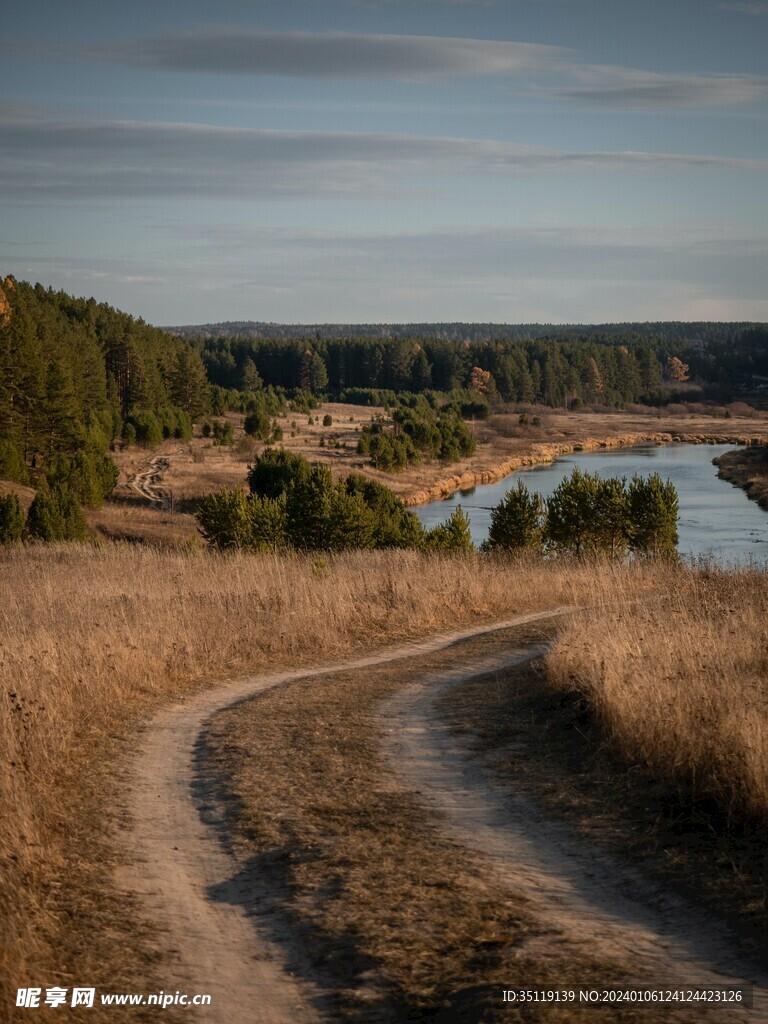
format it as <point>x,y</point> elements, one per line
<point>390,160</point>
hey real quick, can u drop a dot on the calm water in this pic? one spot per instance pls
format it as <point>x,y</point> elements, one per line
<point>716,518</point>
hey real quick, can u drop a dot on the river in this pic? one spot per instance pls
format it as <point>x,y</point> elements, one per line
<point>716,519</point>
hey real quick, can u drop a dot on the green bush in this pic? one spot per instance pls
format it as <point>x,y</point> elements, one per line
<point>149,430</point>
<point>89,476</point>
<point>11,519</point>
<point>223,433</point>
<point>258,424</point>
<point>223,519</point>
<point>55,514</point>
<point>274,470</point>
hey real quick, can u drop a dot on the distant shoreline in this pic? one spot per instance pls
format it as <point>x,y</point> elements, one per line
<point>543,453</point>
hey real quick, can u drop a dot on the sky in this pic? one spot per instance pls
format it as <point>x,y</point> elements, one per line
<point>365,161</point>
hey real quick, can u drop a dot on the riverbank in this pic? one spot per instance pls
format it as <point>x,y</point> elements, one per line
<point>748,469</point>
<point>543,453</point>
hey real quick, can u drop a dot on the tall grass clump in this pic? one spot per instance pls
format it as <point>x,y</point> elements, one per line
<point>678,684</point>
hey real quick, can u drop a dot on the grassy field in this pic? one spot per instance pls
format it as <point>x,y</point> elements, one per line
<point>94,637</point>
<point>196,468</point>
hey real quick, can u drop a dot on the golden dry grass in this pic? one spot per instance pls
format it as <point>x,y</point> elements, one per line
<point>94,636</point>
<point>747,468</point>
<point>679,684</point>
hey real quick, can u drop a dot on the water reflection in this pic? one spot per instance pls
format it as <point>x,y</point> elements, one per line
<point>716,519</point>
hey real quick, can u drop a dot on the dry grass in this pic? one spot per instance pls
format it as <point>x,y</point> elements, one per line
<point>679,685</point>
<point>94,636</point>
<point>747,468</point>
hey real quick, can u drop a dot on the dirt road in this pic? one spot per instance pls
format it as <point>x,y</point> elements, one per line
<point>147,482</point>
<point>580,896</point>
<point>184,875</point>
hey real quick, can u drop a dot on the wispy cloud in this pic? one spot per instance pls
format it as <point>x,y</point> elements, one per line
<point>41,159</point>
<point>605,86</point>
<point>547,71</point>
<point>224,49</point>
<point>755,8</point>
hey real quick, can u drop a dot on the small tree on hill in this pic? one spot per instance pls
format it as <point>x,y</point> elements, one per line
<point>570,521</point>
<point>612,516</point>
<point>55,514</point>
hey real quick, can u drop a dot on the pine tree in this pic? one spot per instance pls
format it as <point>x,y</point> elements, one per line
<point>570,521</point>
<point>451,536</point>
<point>653,509</point>
<point>189,385</point>
<point>517,521</point>
<point>250,379</point>
<point>11,519</point>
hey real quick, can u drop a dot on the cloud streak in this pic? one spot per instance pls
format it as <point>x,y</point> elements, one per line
<point>50,159</point>
<point>754,8</point>
<point>223,49</point>
<point>339,56</point>
<point>628,88</point>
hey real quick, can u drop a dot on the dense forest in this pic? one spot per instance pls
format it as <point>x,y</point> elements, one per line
<point>564,371</point>
<point>676,331</point>
<point>75,374</point>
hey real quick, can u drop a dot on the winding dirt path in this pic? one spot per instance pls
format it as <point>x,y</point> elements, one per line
<point>183,875</point>
<point>146,481</point>
<point>185,878</point>
<point>580,896</point>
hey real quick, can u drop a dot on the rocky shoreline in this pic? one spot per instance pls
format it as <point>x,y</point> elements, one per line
<point>545,452</point>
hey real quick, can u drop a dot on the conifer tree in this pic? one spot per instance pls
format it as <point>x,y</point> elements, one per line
<point>11,519</point>
<point>517,521</point>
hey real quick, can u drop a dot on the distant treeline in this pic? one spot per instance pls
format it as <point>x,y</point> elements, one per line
<point>565,371</point>
<point>676,331</point>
